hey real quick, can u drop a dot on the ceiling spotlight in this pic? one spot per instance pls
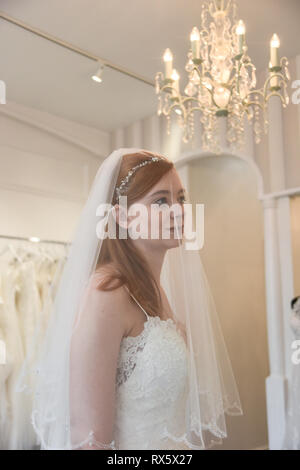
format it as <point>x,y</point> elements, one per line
<point>97,77</point>
<point>35,239</point>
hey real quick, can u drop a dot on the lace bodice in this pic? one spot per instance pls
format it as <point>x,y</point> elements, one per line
<point>150,382</point>
<point>132,345</point>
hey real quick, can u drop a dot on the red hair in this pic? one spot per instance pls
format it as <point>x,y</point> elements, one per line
<point>132,268</point>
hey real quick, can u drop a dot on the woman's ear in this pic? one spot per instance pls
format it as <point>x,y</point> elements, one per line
<point>121,216</point>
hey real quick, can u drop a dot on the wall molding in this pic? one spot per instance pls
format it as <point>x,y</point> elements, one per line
<point>195,154</point>
<point>63,135</point>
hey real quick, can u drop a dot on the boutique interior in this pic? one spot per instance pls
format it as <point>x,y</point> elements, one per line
<point>80,79</point>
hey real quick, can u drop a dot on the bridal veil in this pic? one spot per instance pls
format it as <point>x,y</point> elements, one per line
<point>211,386</point>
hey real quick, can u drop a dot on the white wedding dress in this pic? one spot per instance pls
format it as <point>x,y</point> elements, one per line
<point>151,385</point>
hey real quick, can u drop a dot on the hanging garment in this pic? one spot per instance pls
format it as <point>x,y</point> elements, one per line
<point>5,371</point>
<point>26,278</point>
<point>29,308</point>
<point>14,347</point>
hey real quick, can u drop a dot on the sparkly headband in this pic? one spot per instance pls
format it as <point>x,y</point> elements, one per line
<point>124,182</point>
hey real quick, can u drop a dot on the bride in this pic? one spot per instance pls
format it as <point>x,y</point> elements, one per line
<point>133,356</point>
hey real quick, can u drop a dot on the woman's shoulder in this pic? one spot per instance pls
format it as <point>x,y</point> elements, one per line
<point>112,302</point>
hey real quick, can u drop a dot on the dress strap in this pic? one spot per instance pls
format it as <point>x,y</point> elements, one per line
<point>137,302</point>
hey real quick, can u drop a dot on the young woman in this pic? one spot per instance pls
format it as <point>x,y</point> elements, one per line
<point>133,357</point>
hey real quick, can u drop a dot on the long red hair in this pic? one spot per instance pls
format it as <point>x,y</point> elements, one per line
<point>131,267</point>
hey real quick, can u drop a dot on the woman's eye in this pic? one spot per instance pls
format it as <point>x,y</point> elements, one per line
<point>182,199</point>
<point>162,200</point>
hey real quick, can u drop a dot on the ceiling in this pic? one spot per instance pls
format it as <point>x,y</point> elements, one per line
<point>132,34</point>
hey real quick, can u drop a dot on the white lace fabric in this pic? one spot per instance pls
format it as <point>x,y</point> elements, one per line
<point>150,388</point>
<point>151,383</point>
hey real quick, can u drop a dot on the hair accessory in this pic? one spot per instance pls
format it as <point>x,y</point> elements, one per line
<point>124,183</point>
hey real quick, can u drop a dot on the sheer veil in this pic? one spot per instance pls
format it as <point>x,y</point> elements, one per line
<point>211,389</point>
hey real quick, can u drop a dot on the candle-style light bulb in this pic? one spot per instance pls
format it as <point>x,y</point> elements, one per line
<point>274,62</point>
<point>175,77</point>
<point>275,42</point>
<point>240,31</point>
<point>195,42</point>
<point>274,46</point>
<point>168,60</point>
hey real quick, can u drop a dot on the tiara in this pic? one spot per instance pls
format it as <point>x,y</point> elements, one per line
<point>124,183</point>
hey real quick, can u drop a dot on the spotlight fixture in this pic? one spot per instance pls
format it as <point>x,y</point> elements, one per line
<point>97,77</point>
<point>35,239</point>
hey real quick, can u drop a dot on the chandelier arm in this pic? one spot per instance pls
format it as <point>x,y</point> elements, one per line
<point>254,103</point>
<point>181,107</point>
<point>185,111</point>
<point>169,87</point>
<point>274,74</point>
<point>275,93</point>
<point>195,108</point>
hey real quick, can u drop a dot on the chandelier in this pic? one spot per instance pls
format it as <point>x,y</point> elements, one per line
<point>221,81</point>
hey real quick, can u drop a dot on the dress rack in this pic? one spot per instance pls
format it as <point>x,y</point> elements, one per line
<point>34,240</point>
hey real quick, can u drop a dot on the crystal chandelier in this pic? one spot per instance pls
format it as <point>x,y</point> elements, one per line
<point>221,81</point>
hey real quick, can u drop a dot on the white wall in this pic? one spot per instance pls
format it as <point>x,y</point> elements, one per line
<point>46,167</point>
<point>233,259</point>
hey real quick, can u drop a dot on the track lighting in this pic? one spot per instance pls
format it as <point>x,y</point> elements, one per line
<point>97,77</point>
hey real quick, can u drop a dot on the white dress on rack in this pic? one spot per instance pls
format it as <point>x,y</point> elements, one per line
<point>28,307</point>
<point>29,303</point>
<point>151,386</point>
<point>11,332</point>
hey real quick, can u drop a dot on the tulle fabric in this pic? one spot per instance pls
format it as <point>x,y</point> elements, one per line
<point>210,387</point>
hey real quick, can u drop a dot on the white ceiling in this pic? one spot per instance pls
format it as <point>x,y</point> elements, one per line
<point>132,34</point>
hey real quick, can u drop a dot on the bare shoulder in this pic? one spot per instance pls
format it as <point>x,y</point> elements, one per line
<point>110,305</point>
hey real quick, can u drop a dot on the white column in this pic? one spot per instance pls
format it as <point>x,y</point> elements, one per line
<point>136,135</point>
<point>287,275</point>
<point>279,277</point>
<point>152,133</point>
<point>276,146</point>
<point>118,138</point>
<point>275,382</point>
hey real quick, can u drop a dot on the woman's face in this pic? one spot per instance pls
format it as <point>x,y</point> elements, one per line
<point>161,218</point>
